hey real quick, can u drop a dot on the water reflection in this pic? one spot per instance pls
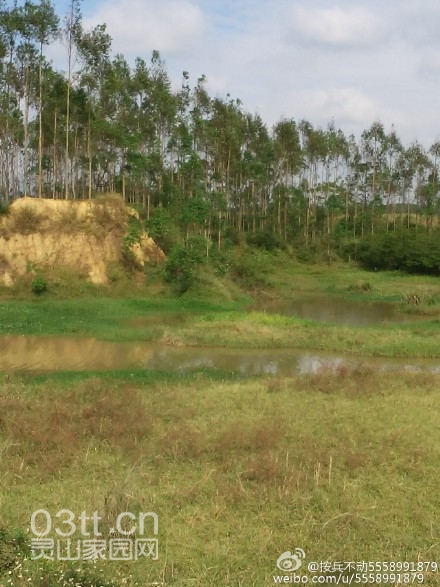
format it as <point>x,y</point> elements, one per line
<point>36,353</point>
<point>45,354</point>
<point>335,310</point>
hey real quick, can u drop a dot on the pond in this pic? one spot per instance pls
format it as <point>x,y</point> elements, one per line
<point>336,310</point>
<point>47,354</point>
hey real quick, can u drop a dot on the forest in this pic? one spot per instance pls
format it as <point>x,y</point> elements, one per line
<point>199,165</point>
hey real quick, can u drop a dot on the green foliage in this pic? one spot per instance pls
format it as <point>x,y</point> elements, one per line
<point>162,229</point>
<point>266,239</point>
<point>360,287</point>
<point>180,268</point>
<point>131,237</point>
<point>195,212</point>
<point>311,253</point>
<point>406,250</point>
<point>232,237</point>
<point>13,546</point>
<point>221,262</point>
<point>4,208</point>
<point>39,285</point>
<point>248,270</point>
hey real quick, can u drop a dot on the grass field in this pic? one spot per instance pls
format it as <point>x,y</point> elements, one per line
<point>343,465</point>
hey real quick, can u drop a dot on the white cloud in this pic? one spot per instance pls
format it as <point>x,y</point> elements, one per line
<point>347,106</point>
<point>352,60</point>
<point>139,26</point>
<point>352,26</point>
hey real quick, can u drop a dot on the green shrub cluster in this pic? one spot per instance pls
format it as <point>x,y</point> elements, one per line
<point>13,546</point>
<point>406,250</point>
<point>265,239</point>
<point>181,266</point>
<point>132,236</point>
<point>39,285</point>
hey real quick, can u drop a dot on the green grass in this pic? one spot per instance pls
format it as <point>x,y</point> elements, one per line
<point>343,465</point>
<point>260,330</point>
<point>192,320</point>
<point>105,318</point>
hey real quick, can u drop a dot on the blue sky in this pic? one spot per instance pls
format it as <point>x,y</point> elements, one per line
<point>354,62</point>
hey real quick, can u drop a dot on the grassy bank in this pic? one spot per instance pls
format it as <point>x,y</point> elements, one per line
<point>116,319</point>
<point>237,471</point>
<point>210,316</point>
<point>260,330</point>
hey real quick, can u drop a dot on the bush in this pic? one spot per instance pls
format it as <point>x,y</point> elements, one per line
<point>39,285</point>
<point>407,250</point>
<point>12,547</point>
<point>4,208</point>
<point>266,239</point>
<point>27,221</point>
<point>162,229</point>
<point>248,272</point>
<point>180,268</point>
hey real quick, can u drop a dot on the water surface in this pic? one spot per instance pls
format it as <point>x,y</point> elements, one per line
<point>47,354</point>
<point>336,310</point>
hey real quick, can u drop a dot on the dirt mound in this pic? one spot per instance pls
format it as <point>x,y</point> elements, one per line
<point>85,236</point>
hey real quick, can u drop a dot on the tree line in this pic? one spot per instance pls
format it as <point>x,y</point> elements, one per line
<point>105,125</point>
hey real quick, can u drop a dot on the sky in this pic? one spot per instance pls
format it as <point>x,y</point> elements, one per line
<point>351,62</point>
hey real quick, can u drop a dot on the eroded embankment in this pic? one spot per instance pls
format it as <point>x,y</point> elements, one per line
<point>84,236</point>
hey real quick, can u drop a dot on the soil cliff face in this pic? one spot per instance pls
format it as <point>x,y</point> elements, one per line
<point>85,236</point>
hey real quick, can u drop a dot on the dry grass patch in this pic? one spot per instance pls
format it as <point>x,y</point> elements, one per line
<point>45,435</point>
<point>26,221</point>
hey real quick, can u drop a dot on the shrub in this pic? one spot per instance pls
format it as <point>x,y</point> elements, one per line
<point>248,272</point>
<point>27,221</point>
<point>180,267</point>
<point>4,208</point>
<point>360,287</point>
<point>266,239</point>
<point>162,229</point>
<point>13,546</point>
<point>39,285</point>
<point>132,237</point>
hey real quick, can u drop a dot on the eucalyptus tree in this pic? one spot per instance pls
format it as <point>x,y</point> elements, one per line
<point>357,186</point>
<point>54,89</point>
<point>405,171</point>
<point>71,33</point>
<point>258,173</point>
<point>335,153</point>
<point>434,152</point>
<point>156,113</point>
<point>117,127</point>
<point>288,161</point>
<point>373,147</point>
<point>227,130</point>
<point>93,50</point>
<point>25,61</point>
<point>392,150</point>
<point>11,115</point>
<point>315,151</point>
<point>420,167</point>
<point>43,25</point>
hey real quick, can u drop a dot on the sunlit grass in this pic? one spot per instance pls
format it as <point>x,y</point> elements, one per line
<point>343,464</point>
<point>260,330</point>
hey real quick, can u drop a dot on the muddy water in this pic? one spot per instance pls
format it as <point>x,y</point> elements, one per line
<point>46,354</point>
<point>36,353</point>
<point>336,311</point>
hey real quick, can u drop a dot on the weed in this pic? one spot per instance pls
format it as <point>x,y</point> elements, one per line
<point>413,299</point>
<point>360,287</point>
<point>4,208</point>
<point>27,221</point>
<point>39,285</point>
